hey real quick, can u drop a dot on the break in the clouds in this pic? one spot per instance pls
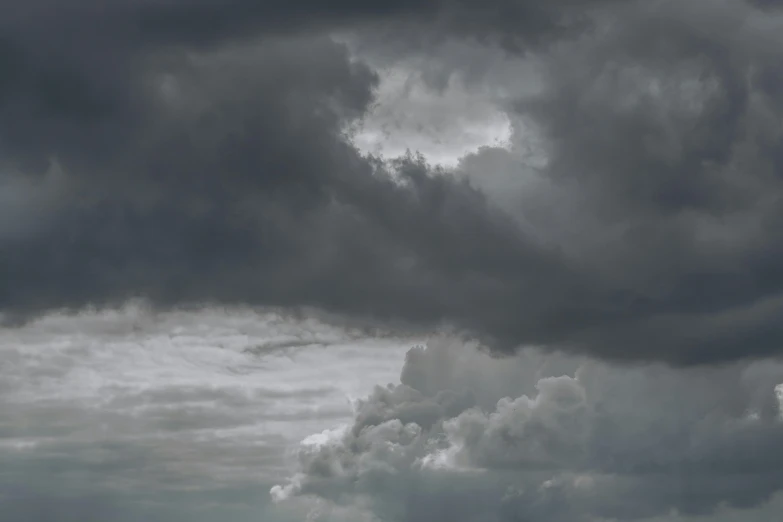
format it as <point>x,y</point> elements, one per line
<point>468,437</point>
<point>408,116</point>
<point>199,152</point>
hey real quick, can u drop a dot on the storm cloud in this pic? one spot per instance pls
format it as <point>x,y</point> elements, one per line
<point>196,153</point>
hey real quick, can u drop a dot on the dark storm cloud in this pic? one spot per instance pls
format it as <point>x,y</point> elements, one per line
<point>662,132</point>
<point>80,62</point>
<point>220,176</point>
<point>194,152</point>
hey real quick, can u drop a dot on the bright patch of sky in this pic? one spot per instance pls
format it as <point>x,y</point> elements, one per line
<point>443,126</point>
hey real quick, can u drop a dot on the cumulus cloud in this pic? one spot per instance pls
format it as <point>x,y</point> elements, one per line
<point>580,440</point>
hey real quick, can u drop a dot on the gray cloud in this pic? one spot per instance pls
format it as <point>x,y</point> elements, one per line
<point>596,443</point>
<point>196,152</point>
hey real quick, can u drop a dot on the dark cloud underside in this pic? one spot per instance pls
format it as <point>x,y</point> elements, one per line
<point>194,152</point>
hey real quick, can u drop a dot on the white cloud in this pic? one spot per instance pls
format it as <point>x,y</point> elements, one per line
<point>443,126</point>
<point>448,103</point>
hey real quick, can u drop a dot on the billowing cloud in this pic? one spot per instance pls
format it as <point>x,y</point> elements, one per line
<point>194,153</point>
<point>574,440</point>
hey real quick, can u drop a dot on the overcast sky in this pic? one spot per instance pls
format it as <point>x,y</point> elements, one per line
<point>398,261</point>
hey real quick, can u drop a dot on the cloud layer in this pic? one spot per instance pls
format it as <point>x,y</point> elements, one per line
<point>199,152</point>
<point>186,416</point>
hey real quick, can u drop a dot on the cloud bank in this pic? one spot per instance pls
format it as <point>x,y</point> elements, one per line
<point>199,152</point>
<point>127,416</point>
<point>468,437</point>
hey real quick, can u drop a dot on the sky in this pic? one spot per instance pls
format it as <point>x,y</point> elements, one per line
<point>396,261</point>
